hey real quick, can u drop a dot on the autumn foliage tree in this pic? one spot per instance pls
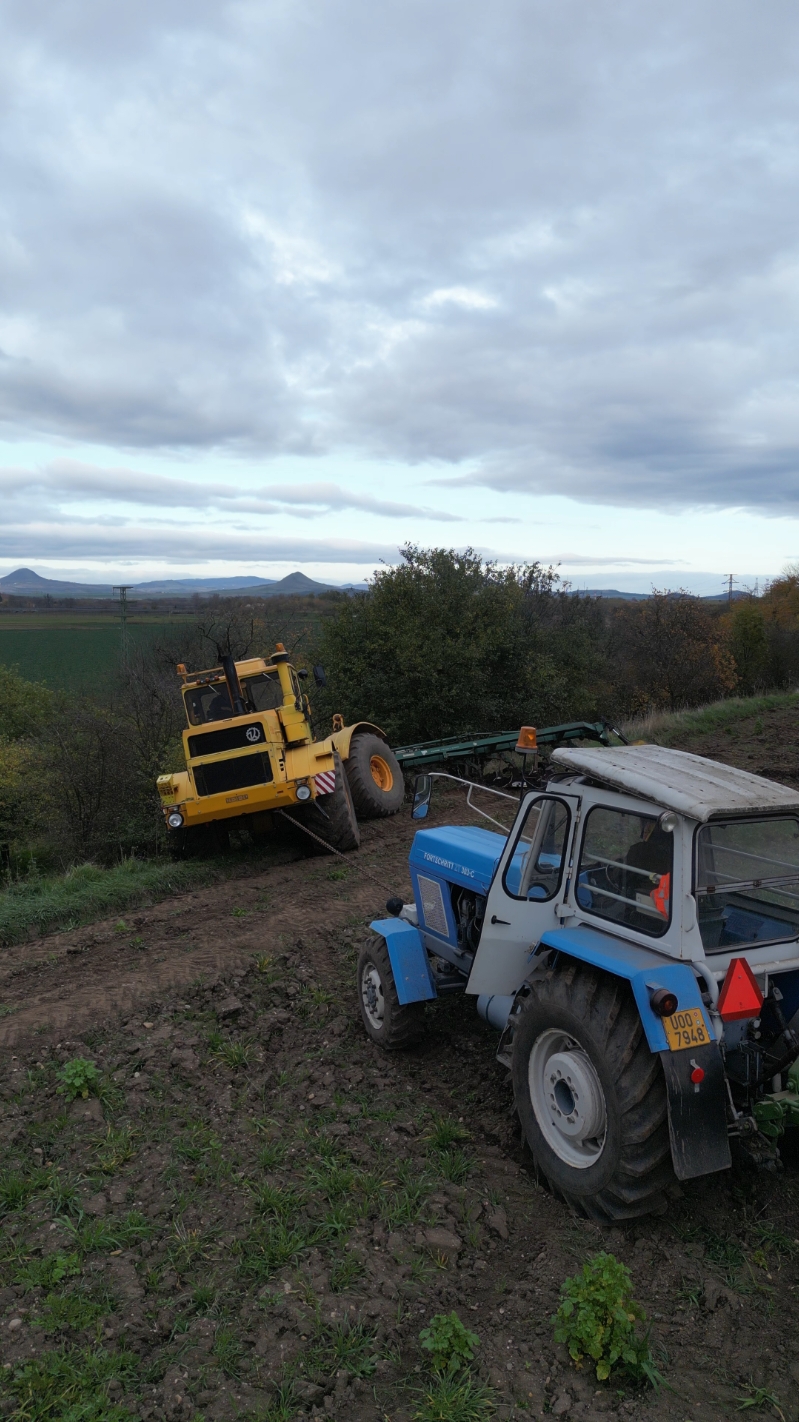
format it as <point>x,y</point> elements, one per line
<point>670,652</point>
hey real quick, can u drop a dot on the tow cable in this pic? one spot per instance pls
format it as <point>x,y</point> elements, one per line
<point>346,858</point>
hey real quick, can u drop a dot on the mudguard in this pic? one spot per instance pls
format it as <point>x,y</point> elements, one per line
<point>697,1110</point>
<point>408,957</point>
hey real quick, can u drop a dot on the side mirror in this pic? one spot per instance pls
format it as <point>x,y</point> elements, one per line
<point>422,790</point>
<point>302,673</point>
<point>319,676</point>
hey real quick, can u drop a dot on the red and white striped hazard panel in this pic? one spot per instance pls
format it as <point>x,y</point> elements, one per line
<point>325,782</point>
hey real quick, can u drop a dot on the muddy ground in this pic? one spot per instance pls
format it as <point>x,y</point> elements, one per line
<point>260,1211</point>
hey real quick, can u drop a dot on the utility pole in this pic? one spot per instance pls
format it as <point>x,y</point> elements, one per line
<point>123,591</point>
<point>730,579</point>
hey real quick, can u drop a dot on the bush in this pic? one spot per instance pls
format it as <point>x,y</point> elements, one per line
<point>597,1318</point>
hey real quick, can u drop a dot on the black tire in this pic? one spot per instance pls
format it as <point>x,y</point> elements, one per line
<point>388,1024</point>
<point>374,775</point>
<point>626,1170</point>
<point>332,817</point>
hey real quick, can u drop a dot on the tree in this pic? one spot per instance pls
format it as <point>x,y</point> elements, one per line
<point>670,653</point>
<point>749,646</point>
<point>446,643</point>
<point>25,706</point>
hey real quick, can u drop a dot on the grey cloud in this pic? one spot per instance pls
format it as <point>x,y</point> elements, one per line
<point>108,539</point>
<point>68,480</point>
<point>553,247</point>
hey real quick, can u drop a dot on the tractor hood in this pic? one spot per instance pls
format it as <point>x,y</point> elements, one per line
<point>460,854</point>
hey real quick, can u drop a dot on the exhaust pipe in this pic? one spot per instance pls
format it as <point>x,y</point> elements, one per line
<point>495,1009</point>
<point>234,686</point>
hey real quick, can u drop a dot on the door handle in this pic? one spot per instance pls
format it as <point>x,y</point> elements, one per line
<point>506,921</point>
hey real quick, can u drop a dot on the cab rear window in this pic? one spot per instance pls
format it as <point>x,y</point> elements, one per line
<point>747,882</point>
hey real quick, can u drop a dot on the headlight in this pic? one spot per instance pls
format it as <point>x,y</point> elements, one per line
<point>175,820</point>
<point>303,792</point>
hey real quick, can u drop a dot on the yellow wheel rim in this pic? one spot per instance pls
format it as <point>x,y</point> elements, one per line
<point>381,773</point>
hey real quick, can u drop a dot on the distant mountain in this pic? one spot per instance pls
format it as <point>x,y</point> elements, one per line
<point>610,592</point>
<point>23,582</point>
<point>295,583</point>
<point>178,586</point>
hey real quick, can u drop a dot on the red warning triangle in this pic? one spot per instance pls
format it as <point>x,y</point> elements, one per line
<point>740,995</point>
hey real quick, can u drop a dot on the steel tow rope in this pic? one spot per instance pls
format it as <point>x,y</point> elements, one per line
<point>347,860</point>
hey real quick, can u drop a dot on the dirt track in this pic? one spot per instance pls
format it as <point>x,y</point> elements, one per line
<point>241,1098</point>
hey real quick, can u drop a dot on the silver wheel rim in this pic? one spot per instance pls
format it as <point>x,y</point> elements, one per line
<point>567,1099</point>
<point>372,996</point>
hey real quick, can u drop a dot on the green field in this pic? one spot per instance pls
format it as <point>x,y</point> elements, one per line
<point>71,654</point>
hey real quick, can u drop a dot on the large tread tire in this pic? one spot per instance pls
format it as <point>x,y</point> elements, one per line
<point>633,1175</point>
<point>390,1025</point>
<point>374,776</point>
<point>332,818</point>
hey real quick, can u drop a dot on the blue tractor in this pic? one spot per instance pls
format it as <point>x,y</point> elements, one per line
<point>634,940</point>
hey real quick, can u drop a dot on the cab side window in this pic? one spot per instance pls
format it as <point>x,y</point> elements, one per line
<point>625,869</point>
<point>535,868</point>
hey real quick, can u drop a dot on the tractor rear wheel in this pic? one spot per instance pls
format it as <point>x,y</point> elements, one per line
<point>375,778</point>
<point>389,1024</point>
<point>331,817</point>
<point>591,1095</point>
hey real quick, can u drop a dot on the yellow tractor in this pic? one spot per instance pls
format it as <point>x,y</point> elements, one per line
<point>250,751</point>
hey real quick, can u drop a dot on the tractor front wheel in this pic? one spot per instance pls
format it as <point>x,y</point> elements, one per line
<point>591,1095</point>
<point>375,778</point>
<point>387,1022</point>
<point>330,819</point>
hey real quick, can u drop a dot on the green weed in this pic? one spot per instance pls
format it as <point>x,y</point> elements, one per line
<point>116,1149</point>
<point>78,1078</point>
<point>102,1235</point>
<point>45,1273</point>
<point>454,1165</point>
<point>279,1201</point>
<point>74,1311</point>
<point>402,1207</point>
<point>271,1156</point>
<point>70,1384</point>
<point>16,1188</point>
<point>449,1342</point>
<point>233,1055</point>
<point>271,1245</point>
<point>759,1397</point>
<point>597,1318</point>
<point>228,1352</point>
<point>349,1347</point>
<point>344,1272</point>
<point>455,1397</point>
<point>445,1132</point>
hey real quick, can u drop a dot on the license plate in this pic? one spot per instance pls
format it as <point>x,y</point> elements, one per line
<point>686,1029</point>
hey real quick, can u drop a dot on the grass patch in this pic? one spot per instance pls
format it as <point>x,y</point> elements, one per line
<point>455,1398</point>
<point>672,727</point>
<point>70,1383</point>
<point>34,906</point>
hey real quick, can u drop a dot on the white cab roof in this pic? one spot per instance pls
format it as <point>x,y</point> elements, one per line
<point>702,789</point>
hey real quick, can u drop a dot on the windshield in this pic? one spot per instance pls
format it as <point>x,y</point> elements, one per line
<point>208,703</point>
<point>263,692</point>
<point>747,882</point>
<point>212,703</point>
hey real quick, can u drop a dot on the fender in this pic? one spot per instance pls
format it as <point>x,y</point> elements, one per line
<point>408,956</point>
<point>341,739</point>
<point>697,1111</point>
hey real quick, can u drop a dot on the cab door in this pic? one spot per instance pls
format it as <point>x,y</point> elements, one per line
<point>529,882</point>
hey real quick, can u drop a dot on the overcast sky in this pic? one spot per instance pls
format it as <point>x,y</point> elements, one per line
<point>285,284</point>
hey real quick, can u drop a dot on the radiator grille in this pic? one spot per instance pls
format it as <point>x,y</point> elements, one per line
<point>234,774</point>
<point>229,738</point>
